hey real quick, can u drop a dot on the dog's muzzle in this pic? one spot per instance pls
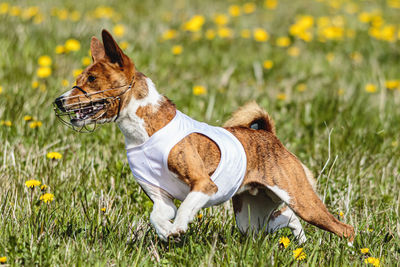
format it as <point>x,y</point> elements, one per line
<point>85,112</point>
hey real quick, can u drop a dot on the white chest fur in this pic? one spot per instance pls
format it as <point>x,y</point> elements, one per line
<point>131,125</point>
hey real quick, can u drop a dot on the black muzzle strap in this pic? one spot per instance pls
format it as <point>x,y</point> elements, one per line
<point>80,89</point>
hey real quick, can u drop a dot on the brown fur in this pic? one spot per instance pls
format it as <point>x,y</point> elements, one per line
<point>196,157</point>
<point>249,114</point>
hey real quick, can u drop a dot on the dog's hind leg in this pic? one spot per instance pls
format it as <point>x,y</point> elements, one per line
<point>163,211</point>
<point>285,217</point>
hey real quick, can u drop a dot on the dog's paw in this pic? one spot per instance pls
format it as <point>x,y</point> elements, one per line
<point>163,230</point>
<point>178,230</point>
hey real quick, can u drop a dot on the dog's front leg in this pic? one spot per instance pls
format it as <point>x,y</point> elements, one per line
<point>163,211</point>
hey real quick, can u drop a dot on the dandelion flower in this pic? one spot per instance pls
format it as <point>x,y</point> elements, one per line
<point>43,72</point>
<point>301,87</point>
<point>35,84</point>
<point>281,96</point>
<point>374,261</point>
<point>48,197</point>
<point>392,84</point>
<point>370,88</point>
<point>293,51</point>
<point>169,34</point>
<point>245,33</point>
<point>77,72</point>
<point>299,254</point>
<point>225,32</point>
<point>86,61</point>
<point>249,7</point>
<point>65,83</point>
<point>364,250</point>
<point>32,183</point>
<point>44,61</point>
<point>221,19</point>
<point>284,241</point>
<point>341,214</point>
<point>3,259</point>
<point>200,216</point>
<point>123,45</point>
<point>340,91</point>
<point>199,90</point>
<point>35,124</point>
<point>268,64</point>
<point>1,89</point>
<point>60,49</point>
<point>43,187</point>
<point>6,123</point>
<point>177,49</point>
<point>28,118</point>
<point>72,45</point>
<point>283,41</point>
<point>119,30</point>
<point>194,24</point>
<point>271,4</point>
<point>54,155</point>
<point>210,34</point>
<point>260,35</point>
<point>234,10</point>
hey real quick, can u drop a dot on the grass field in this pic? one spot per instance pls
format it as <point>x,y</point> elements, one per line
<point>328,72</point>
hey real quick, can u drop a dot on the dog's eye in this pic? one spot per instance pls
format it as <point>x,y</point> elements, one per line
<point>91,78</point>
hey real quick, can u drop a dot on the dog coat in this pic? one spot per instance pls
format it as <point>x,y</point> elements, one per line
<point>149,161</point>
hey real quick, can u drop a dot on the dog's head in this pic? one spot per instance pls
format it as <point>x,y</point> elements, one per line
<point>103,88</point>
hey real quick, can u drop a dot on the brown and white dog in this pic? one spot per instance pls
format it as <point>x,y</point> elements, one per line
<point>273,175</point>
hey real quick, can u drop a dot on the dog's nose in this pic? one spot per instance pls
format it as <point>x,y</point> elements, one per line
<point>59,102</point>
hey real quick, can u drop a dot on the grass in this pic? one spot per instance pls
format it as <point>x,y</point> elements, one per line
<point>347,136</point>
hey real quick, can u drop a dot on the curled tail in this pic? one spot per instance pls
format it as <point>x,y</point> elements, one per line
<point>253,116</point>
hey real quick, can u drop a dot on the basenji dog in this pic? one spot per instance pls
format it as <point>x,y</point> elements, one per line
<point>174,156</point>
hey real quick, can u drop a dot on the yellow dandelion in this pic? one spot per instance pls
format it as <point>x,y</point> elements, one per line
<point>35,84</point>
<point>54,155</point>
<point>392,84</point>
<point>28,118</point>
<point>177,49</point>
<point>103,209</point>
<point>44,61</point>
<point>43,187</point>
<point>245,33</point>
<point>370,88</point>
<point>119,30</point>
<point>3,259</point>
<point>284,241</point>
<point>225,32</point>
<point>43,72</point>
<point>210,34</point>
<point>200,216</point>
<point>15,11</point>
<point>60,49</point>
<point>194,24</point>
<point>249,7</point>
<point>221,19</point>
<point>341,214</point>
<point>86,61</point>
<point>199,90</point>
<point>1,89</point>
<point>75,15</point>
<point>6,123</point>
<point>294,51</point>
<point>77,72</point>
<point>283,41</point>
<point>299,254</point>
<point>370,230</point>
<point>72,45</point>
<point>42,87</point>
<point>65,83</point>
<point>35,124</point>
<point>374,261</point>
<point>234,10</point>
<point>281,96</point>
<point>32,183</point>
<point>169,34</point>
<point>340,91</point>
<point>364,250</point>
<point>4,7</point>
<point>268,64</point>
<point>47,198</point>
<point>271,4</point>
<point>301,87</point>
<point>260,35</point>
<point>123,45</point>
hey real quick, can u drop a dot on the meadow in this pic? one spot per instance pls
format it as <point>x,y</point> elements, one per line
<point>327,71</point>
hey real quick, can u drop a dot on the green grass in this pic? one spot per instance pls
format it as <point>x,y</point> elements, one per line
<point>350,141</point>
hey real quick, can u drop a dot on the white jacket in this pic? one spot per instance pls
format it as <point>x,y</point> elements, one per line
<point>149,161</point>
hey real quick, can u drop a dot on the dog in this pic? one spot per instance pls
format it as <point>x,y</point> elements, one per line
<point>174,156</point>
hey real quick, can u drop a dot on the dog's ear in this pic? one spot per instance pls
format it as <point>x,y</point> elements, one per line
<point>97,49</point>
<point>113,51</point>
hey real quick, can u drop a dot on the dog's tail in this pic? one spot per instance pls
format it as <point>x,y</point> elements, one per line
<point>252,116</point>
